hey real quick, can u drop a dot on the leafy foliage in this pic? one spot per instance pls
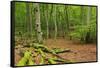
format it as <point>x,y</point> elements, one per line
<point>75,18</point>
<point>81,33</point>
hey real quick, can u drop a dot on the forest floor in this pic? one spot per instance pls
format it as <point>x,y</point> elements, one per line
<point>79,52</point>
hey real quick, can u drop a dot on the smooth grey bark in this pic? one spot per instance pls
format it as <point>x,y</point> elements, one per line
<point>55,23</point>
<point>88,15</point>
<point>47,24</point>
<point>38,23</point>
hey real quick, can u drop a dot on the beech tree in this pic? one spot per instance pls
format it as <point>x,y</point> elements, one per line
<point>89,15</point>
<point>54,19</point>
<point>47,23</point>
<point>38,23</point>
<point>29,19</point>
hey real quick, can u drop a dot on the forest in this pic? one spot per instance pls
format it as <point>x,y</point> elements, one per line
<point>47,33</point>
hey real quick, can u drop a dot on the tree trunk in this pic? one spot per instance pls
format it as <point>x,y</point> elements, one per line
<point>88,15</point>
<point>82,15</point>
<point>38,23</point>
<point>66,20</point>
<point>87,38</point>
<point>55,23</point>
<point>59,22</point>
<point>29,20</point>
<point>47,24</point>
<point>51,20</point>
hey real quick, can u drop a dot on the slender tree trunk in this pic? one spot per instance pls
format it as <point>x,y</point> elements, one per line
<point>55,23</point>
<point>29,20</point>
<point>87,37</point>
<point>50,21</point>
<point>88,15</point>
<point>66,20</point>
<point>59,22</point>
<point>47,24</point>
<point>82,15</point>
<point>38,23</point>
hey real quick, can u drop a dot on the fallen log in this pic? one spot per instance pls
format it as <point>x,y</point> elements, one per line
<point>54,51</point>
<point>63,51</point>
<point>42,56</point>
<point>24,59</point>
<point>51,61</point>
<point>31,62</point>
<point>61,60</point>
<point>41,49</point>
<point>58,50</point>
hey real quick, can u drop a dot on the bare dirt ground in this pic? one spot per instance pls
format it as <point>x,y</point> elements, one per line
<point>79,52</point>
